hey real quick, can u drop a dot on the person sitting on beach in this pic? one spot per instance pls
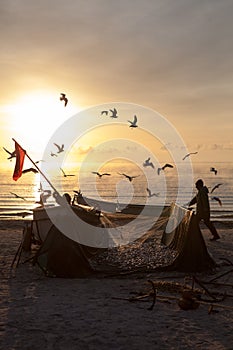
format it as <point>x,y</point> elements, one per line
<point>203,208</point>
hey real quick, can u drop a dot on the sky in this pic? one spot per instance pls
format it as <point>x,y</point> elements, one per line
<point>172,56</point>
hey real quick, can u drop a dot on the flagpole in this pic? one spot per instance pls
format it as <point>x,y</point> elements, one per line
<point>45,177</point>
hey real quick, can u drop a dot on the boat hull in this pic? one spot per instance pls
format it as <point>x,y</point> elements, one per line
<point>111,207</point>
<point>42,218</point>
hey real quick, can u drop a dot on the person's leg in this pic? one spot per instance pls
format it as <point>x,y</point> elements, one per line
<point>212,228</point>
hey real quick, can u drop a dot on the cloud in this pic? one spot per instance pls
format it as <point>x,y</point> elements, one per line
<point>215,147</point>
<point>172,56</point>
<point>145,44</point>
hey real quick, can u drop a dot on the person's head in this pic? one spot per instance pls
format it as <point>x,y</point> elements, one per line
<point>67,197</point>
<point>199,184</point>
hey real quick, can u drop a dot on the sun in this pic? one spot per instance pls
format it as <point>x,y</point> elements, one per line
<point>34,117</point>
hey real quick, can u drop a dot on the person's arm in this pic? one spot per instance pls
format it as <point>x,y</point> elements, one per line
<point>193,201</point>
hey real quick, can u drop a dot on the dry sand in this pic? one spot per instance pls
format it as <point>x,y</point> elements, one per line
<point>37,312</point>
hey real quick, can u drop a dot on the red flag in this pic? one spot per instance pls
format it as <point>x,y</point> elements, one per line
<point>20,154</point>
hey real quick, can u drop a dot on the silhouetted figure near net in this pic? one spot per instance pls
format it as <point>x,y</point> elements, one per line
<point>203,208</point>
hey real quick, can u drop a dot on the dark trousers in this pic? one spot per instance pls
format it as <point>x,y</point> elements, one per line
<point>209,224</point>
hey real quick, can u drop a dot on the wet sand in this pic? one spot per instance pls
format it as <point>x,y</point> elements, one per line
<point>37,312</point>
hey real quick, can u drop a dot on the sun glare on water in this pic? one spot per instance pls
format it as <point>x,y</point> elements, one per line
<point>35,117</point>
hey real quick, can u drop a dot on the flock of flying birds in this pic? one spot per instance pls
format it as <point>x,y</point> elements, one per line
<point>112,113</point>
<point>147,163</point>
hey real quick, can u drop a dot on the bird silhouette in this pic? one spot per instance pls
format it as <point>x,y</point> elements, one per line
<point>17,196</point>
<point>130,178</point>
<point>189,154</point>
<point>53,154</point>
<point>40,189</point>
<point>114,113</point>
<point>151,194</point>
<point>217,199</point>
<point>12,154</point>
<point>33,170</point>
<point>44,196</point>
<point>100,175</point>
<point>64,98</point>
<point>64,174</point>
<point>164,167</point>
<point>133,124</point>
<point>148,163</point>
<point>104,112</point>
<point>214,170</point>
<point>214,188</point>
<point>60,148</point>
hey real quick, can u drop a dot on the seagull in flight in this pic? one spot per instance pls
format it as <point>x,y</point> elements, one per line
<point>148,163</point>
<point>151,194</point>
<point>33,170</point>
<point>214,170</point>
<point>130,178</point>
<point>164,167</point>
<point>214,188</point>
<point>133,124</point>
<point>217,199</point>
<point>60,148</point>
<point>12,154</point>
<point>114,113</point>
<point>53,154</point>
<point>64,174</point>
<point>100,175</point>
<point>17,196</point>
<point>44,196</point>
<point>189,154</point>
<point>104,112</point>
<point>64,98</point>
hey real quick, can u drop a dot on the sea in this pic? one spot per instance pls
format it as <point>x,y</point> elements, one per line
<point>19,198</point>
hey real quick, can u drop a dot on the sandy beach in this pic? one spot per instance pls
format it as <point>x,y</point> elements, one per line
<point>37,312</point>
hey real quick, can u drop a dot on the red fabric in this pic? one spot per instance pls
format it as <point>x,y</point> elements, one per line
<point>20,154</point>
